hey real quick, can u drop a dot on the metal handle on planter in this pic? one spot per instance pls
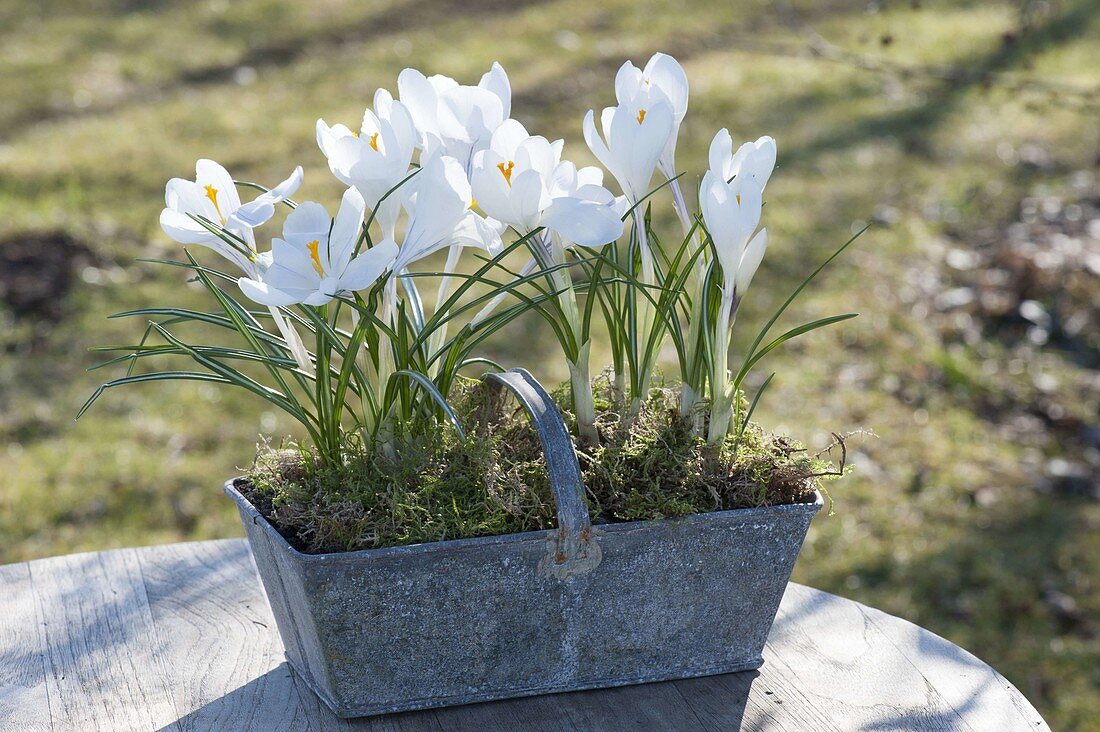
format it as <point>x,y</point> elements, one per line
<point>574,551</point>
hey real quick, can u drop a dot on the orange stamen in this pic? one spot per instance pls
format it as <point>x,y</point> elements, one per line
<point>212,194</point>
<point>312,247</point>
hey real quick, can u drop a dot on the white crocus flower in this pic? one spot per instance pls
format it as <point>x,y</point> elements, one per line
<point>213,196</point>
<point>731,214</point>
<point>522,181</point>
<point>440,216</point>
<point>662,78</point>
<point>455,120</point>
<point>376,158</point>
<point>755,160</point>
<point>314,261</point>
<point>633,138</point>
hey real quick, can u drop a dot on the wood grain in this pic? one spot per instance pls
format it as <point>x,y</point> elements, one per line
<point>104,670</point>
<point>23,663</point>
<point>180,637</point>
<point>215,632</point>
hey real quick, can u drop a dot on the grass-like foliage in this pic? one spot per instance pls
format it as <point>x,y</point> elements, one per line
<point>346,344</point>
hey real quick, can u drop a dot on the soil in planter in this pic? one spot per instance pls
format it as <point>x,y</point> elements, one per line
<point>494,481</point>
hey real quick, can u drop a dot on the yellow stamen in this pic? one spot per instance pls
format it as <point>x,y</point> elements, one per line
<point>506,171</point>
<point>738,199</point>
<point>312,247</point>
<point>355,133</point>
<point>641,116</point>
<point>212,194</point>
<point>374,141</point>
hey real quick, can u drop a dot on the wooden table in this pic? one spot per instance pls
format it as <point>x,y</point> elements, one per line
<point>180,637</point>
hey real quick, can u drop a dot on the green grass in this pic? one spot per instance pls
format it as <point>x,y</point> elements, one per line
<point>925,117</point>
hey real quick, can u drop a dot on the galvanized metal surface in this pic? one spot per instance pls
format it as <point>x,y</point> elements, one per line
<point>471,620</point>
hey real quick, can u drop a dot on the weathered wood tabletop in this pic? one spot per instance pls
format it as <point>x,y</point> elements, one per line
<point>180,637</point>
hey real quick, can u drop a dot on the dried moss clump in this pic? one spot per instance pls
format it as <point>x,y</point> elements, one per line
<point>494,480</point>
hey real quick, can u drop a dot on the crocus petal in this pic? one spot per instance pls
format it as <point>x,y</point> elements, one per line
<point>286,189</point>
<point>308,222</point>
<point>596,143</point>
<point>589,175</point>
<point>265,294</point>
<point>507,138</point>
<point>259,211</point>
<point>759,160</point>
<point>539,154</point>
<point>496,81</point>
<point>401,121</point>
<point>183,195</point>
<point>489,186</point>
<point>750,261</point>
<point>183,228</point>
<point>476,231</point>
<point>421,99</point>
<point>628,80</point>
<point>639,144</point>
<point>586,223</point>
<point>325,137</point>
<point>665,73</point>
<point>366,268</point>
<point>291,268</point>
<point>717,208</point>
<point>442,196</point>
<point>528,198</point>
<point>208,172</point>
<point>346,229</point>
<point>721,150</point>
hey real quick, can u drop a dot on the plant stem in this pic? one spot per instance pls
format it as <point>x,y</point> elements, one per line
<point>584,406</point>
<point>580,381</point>
<point>329,426</point>
<point>293,341</point>
<point>721,399</point>
<point>644,308</point>
<point>386,365</point>
<point>680,206</point>
<point>439,336</point>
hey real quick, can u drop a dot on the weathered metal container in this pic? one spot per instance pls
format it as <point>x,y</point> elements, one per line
<point>580,607</point>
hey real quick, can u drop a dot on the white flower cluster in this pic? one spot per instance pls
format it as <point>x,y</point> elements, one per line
<point>470,153</point>
<point>444,166</point>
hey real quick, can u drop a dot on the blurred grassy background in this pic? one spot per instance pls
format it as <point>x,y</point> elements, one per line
<point>965,132</point>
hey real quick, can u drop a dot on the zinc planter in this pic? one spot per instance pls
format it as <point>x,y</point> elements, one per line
<point>579,607</point>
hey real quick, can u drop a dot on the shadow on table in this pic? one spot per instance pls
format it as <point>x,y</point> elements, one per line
<point>279,700</point>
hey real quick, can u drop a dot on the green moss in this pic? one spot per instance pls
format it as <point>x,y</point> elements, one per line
<point>494,480</point>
